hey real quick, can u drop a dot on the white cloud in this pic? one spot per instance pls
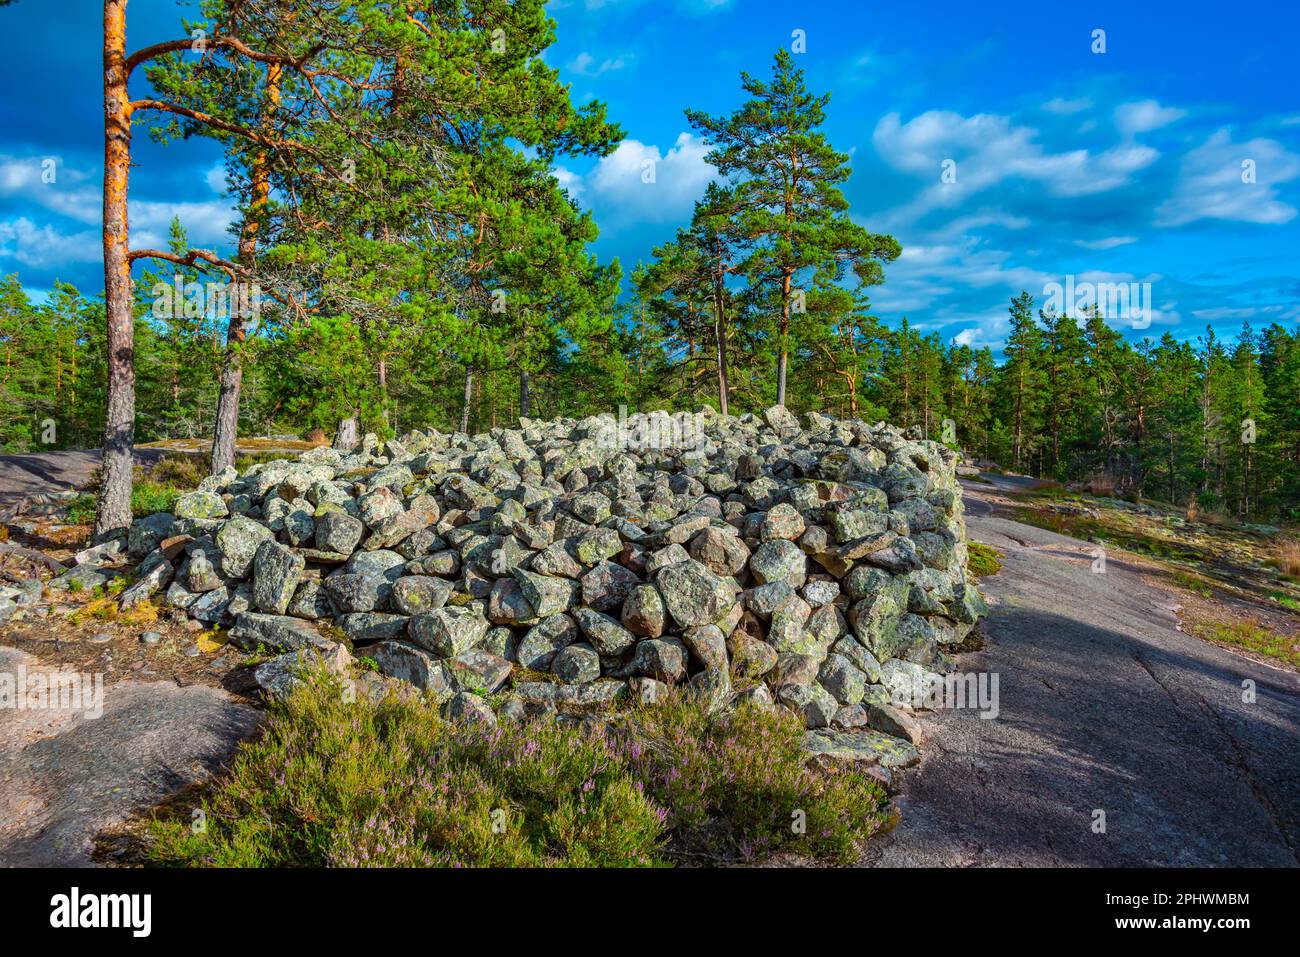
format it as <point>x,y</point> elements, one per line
<point>69,194</point>
<point>1210,183</point>
<point>1064,107</point>
<point>75,195</point>
<point>1110,242</point>
<point>989,149</point>
<point>216,179</point>
<point>44,247</point>
<point>568,180</point>
<point>618,182</point>
<point>584,64</point>
<point>1224,313</point>
<point>1142,116</point>
<point>207,223</point>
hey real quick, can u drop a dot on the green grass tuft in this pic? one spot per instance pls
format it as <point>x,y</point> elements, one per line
<point>982,560</point>
<point>1194,584</point>
<point>1251,637</point>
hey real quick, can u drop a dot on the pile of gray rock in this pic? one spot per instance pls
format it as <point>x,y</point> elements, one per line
<point>567,566</point>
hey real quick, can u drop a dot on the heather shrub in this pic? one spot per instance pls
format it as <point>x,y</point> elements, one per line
<point>738,787</point>
<point>338,782</point>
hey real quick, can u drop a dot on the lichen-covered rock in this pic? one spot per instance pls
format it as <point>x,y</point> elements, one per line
<point>448,631</point>
<point>779,561</point>
<point>692,594</point>
<point>337,531</point>
<point>145,534</point>
<point>310,601</point>
<point>607,586</point>
<point>200,505</point>
<point>816,562</point>
<point>350,593</point>
<point>275,577</point>
<point>479,671</point>
<point>589,698</point>
<point>606,635</point>
<point>469,709</point>
<point>417,594</point>
<point>782,522</point>
<point>548,595</point>
<point>870,747</point>
<point>543,640</point>
<point>844,681</point>
<point>253,630</point>
<point>750,657</point>
<point>147,585</point>
<point>576,664</point>
<point>708,645</point>
<point>280,675</point>
<point>719,550</point>
<point>238,542</point>
<point>400,659</point>
<point>813,701</point>
<point>367,626</point>
<point>661,658</point>
<point>201,576</point>
<point>644,613</point>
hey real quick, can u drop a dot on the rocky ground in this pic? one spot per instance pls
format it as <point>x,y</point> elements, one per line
<point>1107,705</point>
<point>1084,660</point>
<point>67,776</point>
<point>560,567</point>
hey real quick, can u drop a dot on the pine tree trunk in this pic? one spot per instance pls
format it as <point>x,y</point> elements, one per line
<point>113,511</point>
<point>783,357</point>
<point>469,397</point>
<point>226,430</point>
<point>347,436</point>
<point>720,333</point>
<point>525,397</point>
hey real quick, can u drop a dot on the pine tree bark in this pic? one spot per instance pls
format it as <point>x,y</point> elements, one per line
<point>720,332</point>
<point>226,430</point>
<point>347,436</point>
<point>783,357</point>
<point>113,511</point>
<point>469,397</point>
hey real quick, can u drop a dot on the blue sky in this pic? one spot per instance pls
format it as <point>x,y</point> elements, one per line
<point>1116,166</point>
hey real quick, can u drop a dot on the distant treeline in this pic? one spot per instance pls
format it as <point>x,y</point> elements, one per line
<point>1211,422</point>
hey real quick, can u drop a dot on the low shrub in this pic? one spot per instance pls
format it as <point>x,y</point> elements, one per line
<point>1100,483</point>
<point>178,471</point>
<point>81,510</point>
<point>149,496</point>
<point>737,787</point>
<point>339,782</point>
<point>1194,584</point>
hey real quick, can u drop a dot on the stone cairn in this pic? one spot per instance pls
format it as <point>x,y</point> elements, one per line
<point>564,567</point>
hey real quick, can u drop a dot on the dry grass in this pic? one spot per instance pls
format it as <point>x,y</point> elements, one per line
<point>1100,483</point>
<point>1287,557</point>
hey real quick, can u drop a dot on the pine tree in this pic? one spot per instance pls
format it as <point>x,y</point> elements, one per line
<point>790,208</point>
<point>1023,378</point>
